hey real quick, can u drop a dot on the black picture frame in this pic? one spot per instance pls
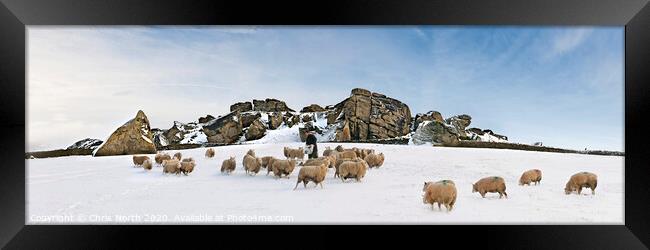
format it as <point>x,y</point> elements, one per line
<point>15,15</point>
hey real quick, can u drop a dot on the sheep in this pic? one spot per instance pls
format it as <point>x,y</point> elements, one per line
<point>178,156</point>
<point>266,160</point>
<point>374,160</point>
<point>187,166</point>
<point>314,173</point>
<point>332,160</point>
<point>492,184</point>
<point>209,153</point>
<point>280,167</point>
<point>580,180</point>
<point>147,164</point>
<point>252,164</point>
<point>188,159</point>
<point>328,151</point>
<point>291,153</point>
<point>346,154</point>
<point>340,161</point>
<point>160,157</point>
<point>353,169</point>
<point>251,152</point>
<point>442,192</point>
<point>316,161</point>
<point>339,148</point>
<point>172,166</point>
<point>138,160</point>
<point>530,176</point>
<point>228,165</point>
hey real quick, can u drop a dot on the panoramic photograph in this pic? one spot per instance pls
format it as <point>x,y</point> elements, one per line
<point>325,125</point>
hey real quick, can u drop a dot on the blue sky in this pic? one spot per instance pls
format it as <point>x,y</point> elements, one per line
<point>559,85</point>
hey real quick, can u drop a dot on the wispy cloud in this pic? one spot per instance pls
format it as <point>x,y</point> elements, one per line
<point>567,40</point>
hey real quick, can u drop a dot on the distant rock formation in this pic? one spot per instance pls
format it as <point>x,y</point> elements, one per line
<point>363,116</point>
<point>134,137</point>
<point>86,144</point>
<point>429,116</point>
<point>437,133</point>
<point>241,107</point>
<point>312,108</point>
<point>271,105</point>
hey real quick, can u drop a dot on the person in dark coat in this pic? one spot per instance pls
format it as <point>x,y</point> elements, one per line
<point>311,141</point>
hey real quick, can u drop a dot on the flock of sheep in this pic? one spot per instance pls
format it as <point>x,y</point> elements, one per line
<point>349,163</point>
<point>444,192</point>
<point>352,163</point>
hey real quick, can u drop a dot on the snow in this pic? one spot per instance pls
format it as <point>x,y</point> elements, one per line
<point>282,134</point>
<point>146,139</point>
<point>108,190</point>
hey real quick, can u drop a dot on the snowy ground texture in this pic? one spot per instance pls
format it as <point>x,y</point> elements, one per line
<point>108,190</point>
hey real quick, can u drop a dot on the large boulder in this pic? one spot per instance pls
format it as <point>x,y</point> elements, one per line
<point>248,118</point>
<point>429,116</point>
<point>86,144</point>
<point>224,130</point>
<point>134,137</point>
<point>312,108</point>
<point>291,119</point>
<point>206,119</point>
<point>436,133</point>
<point>373,116</point>
<point>460,122</point>
<point>255,131</point>
<point>270,105</point>
<point>241,107</point>
<point>275,120</point>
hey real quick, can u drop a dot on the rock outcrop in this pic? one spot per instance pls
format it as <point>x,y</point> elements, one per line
<point>460,122</point>
<point>224,130</point>
<point>291,119</point>
<point>373,116</point>
<point>312,108</point>
<point>429,116</point>
<point>437,133</point>
<point>241,107</point>
<point>275,120</point>
<point>86,144</point>
<point>205,119</point>
<point>248,118</point>
<point>134,137</point>
<point>255,131</point>
<point>270,105</point>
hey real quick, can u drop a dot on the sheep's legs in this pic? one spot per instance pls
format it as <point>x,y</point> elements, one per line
<point>294,188</point>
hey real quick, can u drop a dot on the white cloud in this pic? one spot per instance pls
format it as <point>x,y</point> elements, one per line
<point>567,40</point>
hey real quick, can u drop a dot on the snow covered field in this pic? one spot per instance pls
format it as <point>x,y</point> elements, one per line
<point>108,190</point>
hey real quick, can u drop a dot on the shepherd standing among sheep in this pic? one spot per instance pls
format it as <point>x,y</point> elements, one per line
<point>580,180</point>
<point>441,192</point>
<point>493,184</point>
<point>530,176</point>
<point>311,146</point>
